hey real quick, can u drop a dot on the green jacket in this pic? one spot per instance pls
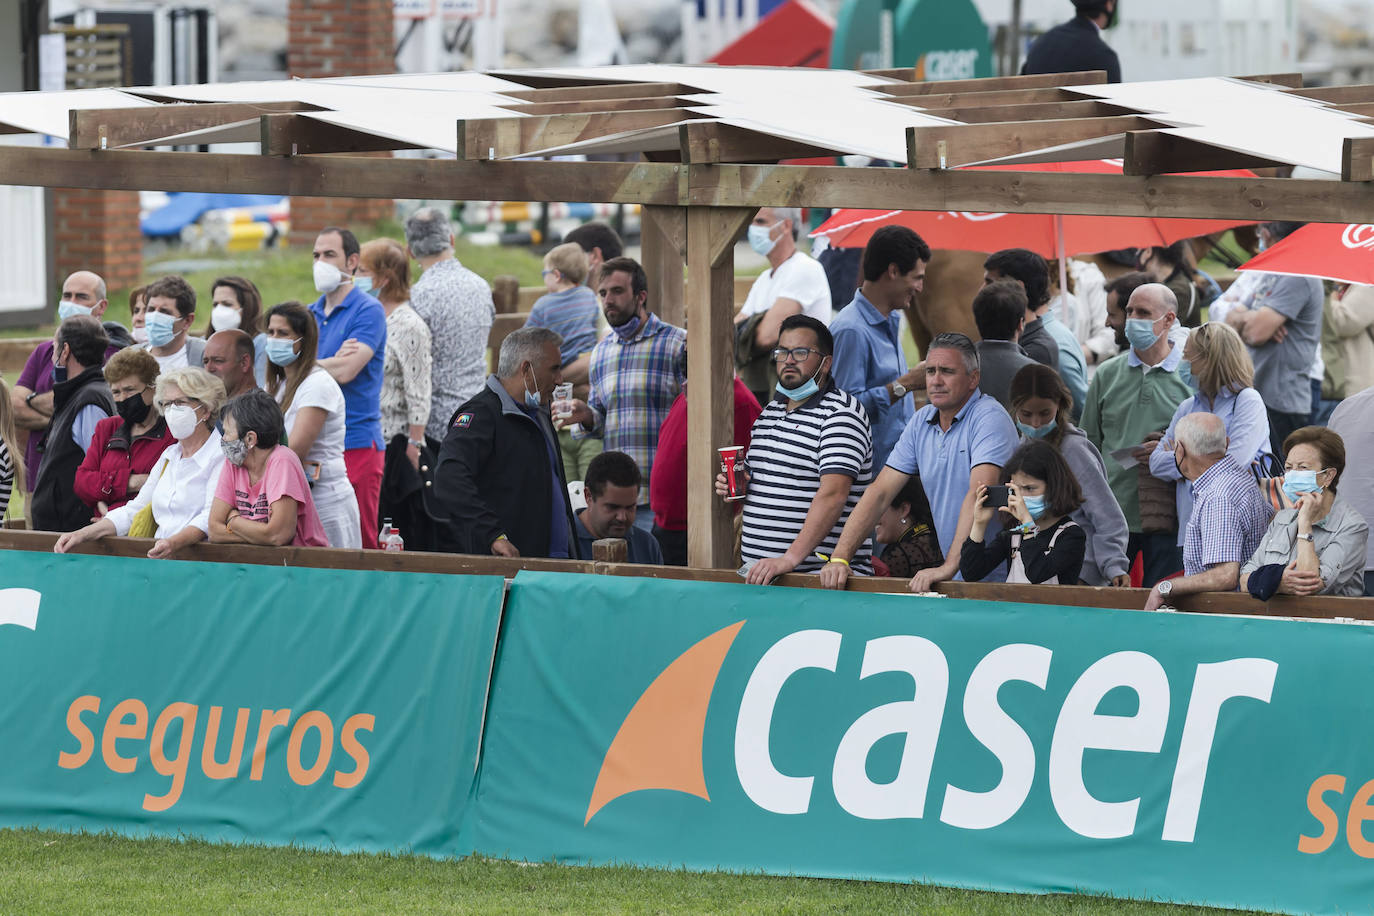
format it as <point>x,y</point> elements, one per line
<point>1123,406</point>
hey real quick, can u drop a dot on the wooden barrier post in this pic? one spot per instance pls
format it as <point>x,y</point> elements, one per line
<point>711,235</point>
<point>663,239</point>
<point>610,550</point>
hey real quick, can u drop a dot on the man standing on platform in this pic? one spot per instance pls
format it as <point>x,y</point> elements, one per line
<point>869,361</point>
<point>636,374</point>
<point>352,349</point>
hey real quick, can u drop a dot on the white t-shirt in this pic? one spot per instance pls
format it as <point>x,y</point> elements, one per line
<point>800,278</point>
<point>319,389</point>
<point>177,360</point>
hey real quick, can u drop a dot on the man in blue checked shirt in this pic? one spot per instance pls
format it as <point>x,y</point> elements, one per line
<point>635,374</point>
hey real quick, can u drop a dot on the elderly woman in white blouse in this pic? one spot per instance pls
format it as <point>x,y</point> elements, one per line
<point>181,487</point>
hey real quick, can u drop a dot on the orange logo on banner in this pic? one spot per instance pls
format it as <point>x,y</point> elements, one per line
<point>658,745</point>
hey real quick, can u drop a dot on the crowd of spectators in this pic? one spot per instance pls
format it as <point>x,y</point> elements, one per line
<point>1089,437</point>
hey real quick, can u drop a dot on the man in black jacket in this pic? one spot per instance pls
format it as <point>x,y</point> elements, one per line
<point>80,400</point>
<point>500,475</point>
<point>1077,44</point>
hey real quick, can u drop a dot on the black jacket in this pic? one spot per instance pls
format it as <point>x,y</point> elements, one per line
<point>493,476</point>
<point>1075,45</point>
<point>56,507</point>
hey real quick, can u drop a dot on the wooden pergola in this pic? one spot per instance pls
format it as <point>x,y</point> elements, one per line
<point>699,191</point>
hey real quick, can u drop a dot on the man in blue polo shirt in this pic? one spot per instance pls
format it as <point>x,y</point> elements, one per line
<point>352,348</point>
<point>957,442</point>
<point>869,362</point>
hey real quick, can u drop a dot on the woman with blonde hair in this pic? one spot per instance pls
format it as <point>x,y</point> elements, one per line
<point>181,487</point>
<point>1217,366</point>
<point>312,406</point>
<point>11,455</point>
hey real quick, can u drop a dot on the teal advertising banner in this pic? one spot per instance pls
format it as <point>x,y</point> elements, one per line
<point>1202,759</point>
<point>327,708</point>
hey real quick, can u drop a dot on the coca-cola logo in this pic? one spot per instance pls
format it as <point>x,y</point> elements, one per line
<point>1358,235</point>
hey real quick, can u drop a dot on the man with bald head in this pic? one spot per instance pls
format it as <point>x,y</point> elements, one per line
<point>1129,404</point>
<point>1229,515</point>
<point>83,293</point>
<point>229,357</point>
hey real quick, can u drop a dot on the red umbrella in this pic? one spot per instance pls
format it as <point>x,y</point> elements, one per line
<point>1333,251</point>
<point>1047,234</point>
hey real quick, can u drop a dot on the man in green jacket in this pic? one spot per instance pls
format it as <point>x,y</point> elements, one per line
<point>1133,395</point>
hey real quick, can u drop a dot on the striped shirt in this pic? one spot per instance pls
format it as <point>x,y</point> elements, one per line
<point>788,453</point>
<point>6,477</point>
<point>633,385</point>
<point>1229,518</point>
<point>572,315</point>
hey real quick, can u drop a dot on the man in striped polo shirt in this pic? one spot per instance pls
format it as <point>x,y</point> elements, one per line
<point>810,456</point>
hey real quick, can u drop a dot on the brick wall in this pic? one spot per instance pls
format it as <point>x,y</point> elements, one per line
<point>99,231</point>
<point>337,38</point>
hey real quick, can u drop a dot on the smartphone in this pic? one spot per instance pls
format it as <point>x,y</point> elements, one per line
<point>997,497</point>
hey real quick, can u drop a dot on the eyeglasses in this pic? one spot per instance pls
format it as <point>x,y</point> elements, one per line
<point>548,270</point>
<point>179,402</point>
<point>798,354</point>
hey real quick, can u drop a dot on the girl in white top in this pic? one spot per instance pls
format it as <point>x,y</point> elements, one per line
<point>313,407</point>
<point>181,486</point>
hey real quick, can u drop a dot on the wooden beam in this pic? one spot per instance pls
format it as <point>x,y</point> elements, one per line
<point>1288,80</point>
<point>595,106</point>
<point>1038,111</point>
<point>971,99</point>
<point>711,141</point>
<point>602,91</point>
<point>343,176</point>
<point>1357,159</point>
<point>1004,83</point>
<point>1337,95</point>
<point>294,135</point>
<point>1150,152</point>
<point>663,242</point>
<point>509,138</point>
<point>711,235</point>
<point>100,128</point>
<point>949,146</point>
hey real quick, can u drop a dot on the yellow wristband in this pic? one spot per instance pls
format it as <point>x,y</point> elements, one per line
<point>832,559</point>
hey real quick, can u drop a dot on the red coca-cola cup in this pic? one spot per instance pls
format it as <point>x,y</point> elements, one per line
<point>731,459</point>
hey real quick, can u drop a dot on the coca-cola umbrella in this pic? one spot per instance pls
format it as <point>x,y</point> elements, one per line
<point>1333,251</point>
<point>1049,235</point>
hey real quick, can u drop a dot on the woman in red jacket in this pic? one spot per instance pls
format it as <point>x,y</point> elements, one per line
<point>125,447</point>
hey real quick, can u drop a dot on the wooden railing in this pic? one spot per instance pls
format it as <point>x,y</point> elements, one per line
<point>465,564</point>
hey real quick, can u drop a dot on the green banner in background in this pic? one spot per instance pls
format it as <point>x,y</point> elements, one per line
<point>329,708</point>
<point>1214,760</point>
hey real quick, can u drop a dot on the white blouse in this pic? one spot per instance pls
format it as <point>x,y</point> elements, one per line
<point>180,489</point>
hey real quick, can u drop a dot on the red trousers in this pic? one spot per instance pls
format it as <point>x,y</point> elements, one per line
<point>365,473</point>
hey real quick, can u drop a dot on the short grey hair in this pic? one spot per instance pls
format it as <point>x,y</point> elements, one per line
<point>1160,297</point>
<point>256,411</point>
<point>196,383</point>
<point>1203,434</point>
<point>792,213</point>
<point>961,344</point>
<point>523,346</point>
<point>428,232</point>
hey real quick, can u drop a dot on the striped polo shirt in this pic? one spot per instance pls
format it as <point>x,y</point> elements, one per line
<point>788,453</point>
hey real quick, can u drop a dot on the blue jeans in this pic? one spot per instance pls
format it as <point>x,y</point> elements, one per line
<point>644,518</point>
<point>1321,408</point>
<point>1369,583</point>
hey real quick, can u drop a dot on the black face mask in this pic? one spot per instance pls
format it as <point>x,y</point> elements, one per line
<point>134,410</point>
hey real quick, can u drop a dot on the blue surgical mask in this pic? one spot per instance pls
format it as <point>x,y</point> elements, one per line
<point>1296,483</point>
<point>1037,432</point>
<point>67,310</point>
<point>362,283</point>
<point>161,328</point>
<point>803,391</point>
<point>1185,373</point>
<point>759,239</point>
<point>629,329</point>
<point>533,398</point>
<point>1140,332</point>
<point>1035,505</point>
<point>281,352</point>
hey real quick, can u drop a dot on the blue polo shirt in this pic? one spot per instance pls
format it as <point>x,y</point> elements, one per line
<point>981,433</point>
<point>360,317</point>
<point>868,355</point>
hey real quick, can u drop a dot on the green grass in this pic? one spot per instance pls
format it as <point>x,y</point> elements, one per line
<point>74,873</point>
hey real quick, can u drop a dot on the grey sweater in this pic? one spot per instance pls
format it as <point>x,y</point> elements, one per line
<point>1100,516</point>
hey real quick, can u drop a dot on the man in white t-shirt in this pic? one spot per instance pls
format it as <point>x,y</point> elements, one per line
<point>793,284</point>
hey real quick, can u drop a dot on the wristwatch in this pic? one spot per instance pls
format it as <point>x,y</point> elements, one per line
<point>1165,587</point>
<point>898,390</point>
<point>1304,537</point>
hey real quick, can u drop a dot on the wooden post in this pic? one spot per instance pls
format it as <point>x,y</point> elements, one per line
<point>663,237</point>
<point>610,550</point>
<point>711,236</point>
<point>505,293</point>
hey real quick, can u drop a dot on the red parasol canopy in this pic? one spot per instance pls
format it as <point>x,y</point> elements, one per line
<point>1333,251</point>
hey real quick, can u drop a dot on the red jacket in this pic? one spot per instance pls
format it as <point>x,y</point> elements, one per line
<point>110,461</point>
<point>668,479</point>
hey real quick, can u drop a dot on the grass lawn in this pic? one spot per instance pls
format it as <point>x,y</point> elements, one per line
<point>71,873</point>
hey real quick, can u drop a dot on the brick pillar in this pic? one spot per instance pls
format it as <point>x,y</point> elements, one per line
<point>338,38</point>
<point>99,231</point>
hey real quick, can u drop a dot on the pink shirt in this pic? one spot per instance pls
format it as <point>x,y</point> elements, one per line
<point>283,477</point>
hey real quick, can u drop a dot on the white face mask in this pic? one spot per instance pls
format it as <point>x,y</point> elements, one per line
<point>327,277</point>
<point>181,420</point>
<point>140,335</point>
<point>225,318</point>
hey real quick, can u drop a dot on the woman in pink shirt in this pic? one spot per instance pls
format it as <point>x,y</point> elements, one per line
<point>263,496</point>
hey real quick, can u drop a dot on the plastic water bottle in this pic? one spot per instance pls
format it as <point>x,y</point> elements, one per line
<point>384,534</point>
<point>392,541</point>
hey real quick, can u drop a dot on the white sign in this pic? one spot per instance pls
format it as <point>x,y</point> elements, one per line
<point>414,9</point>
<point>461,9</point>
